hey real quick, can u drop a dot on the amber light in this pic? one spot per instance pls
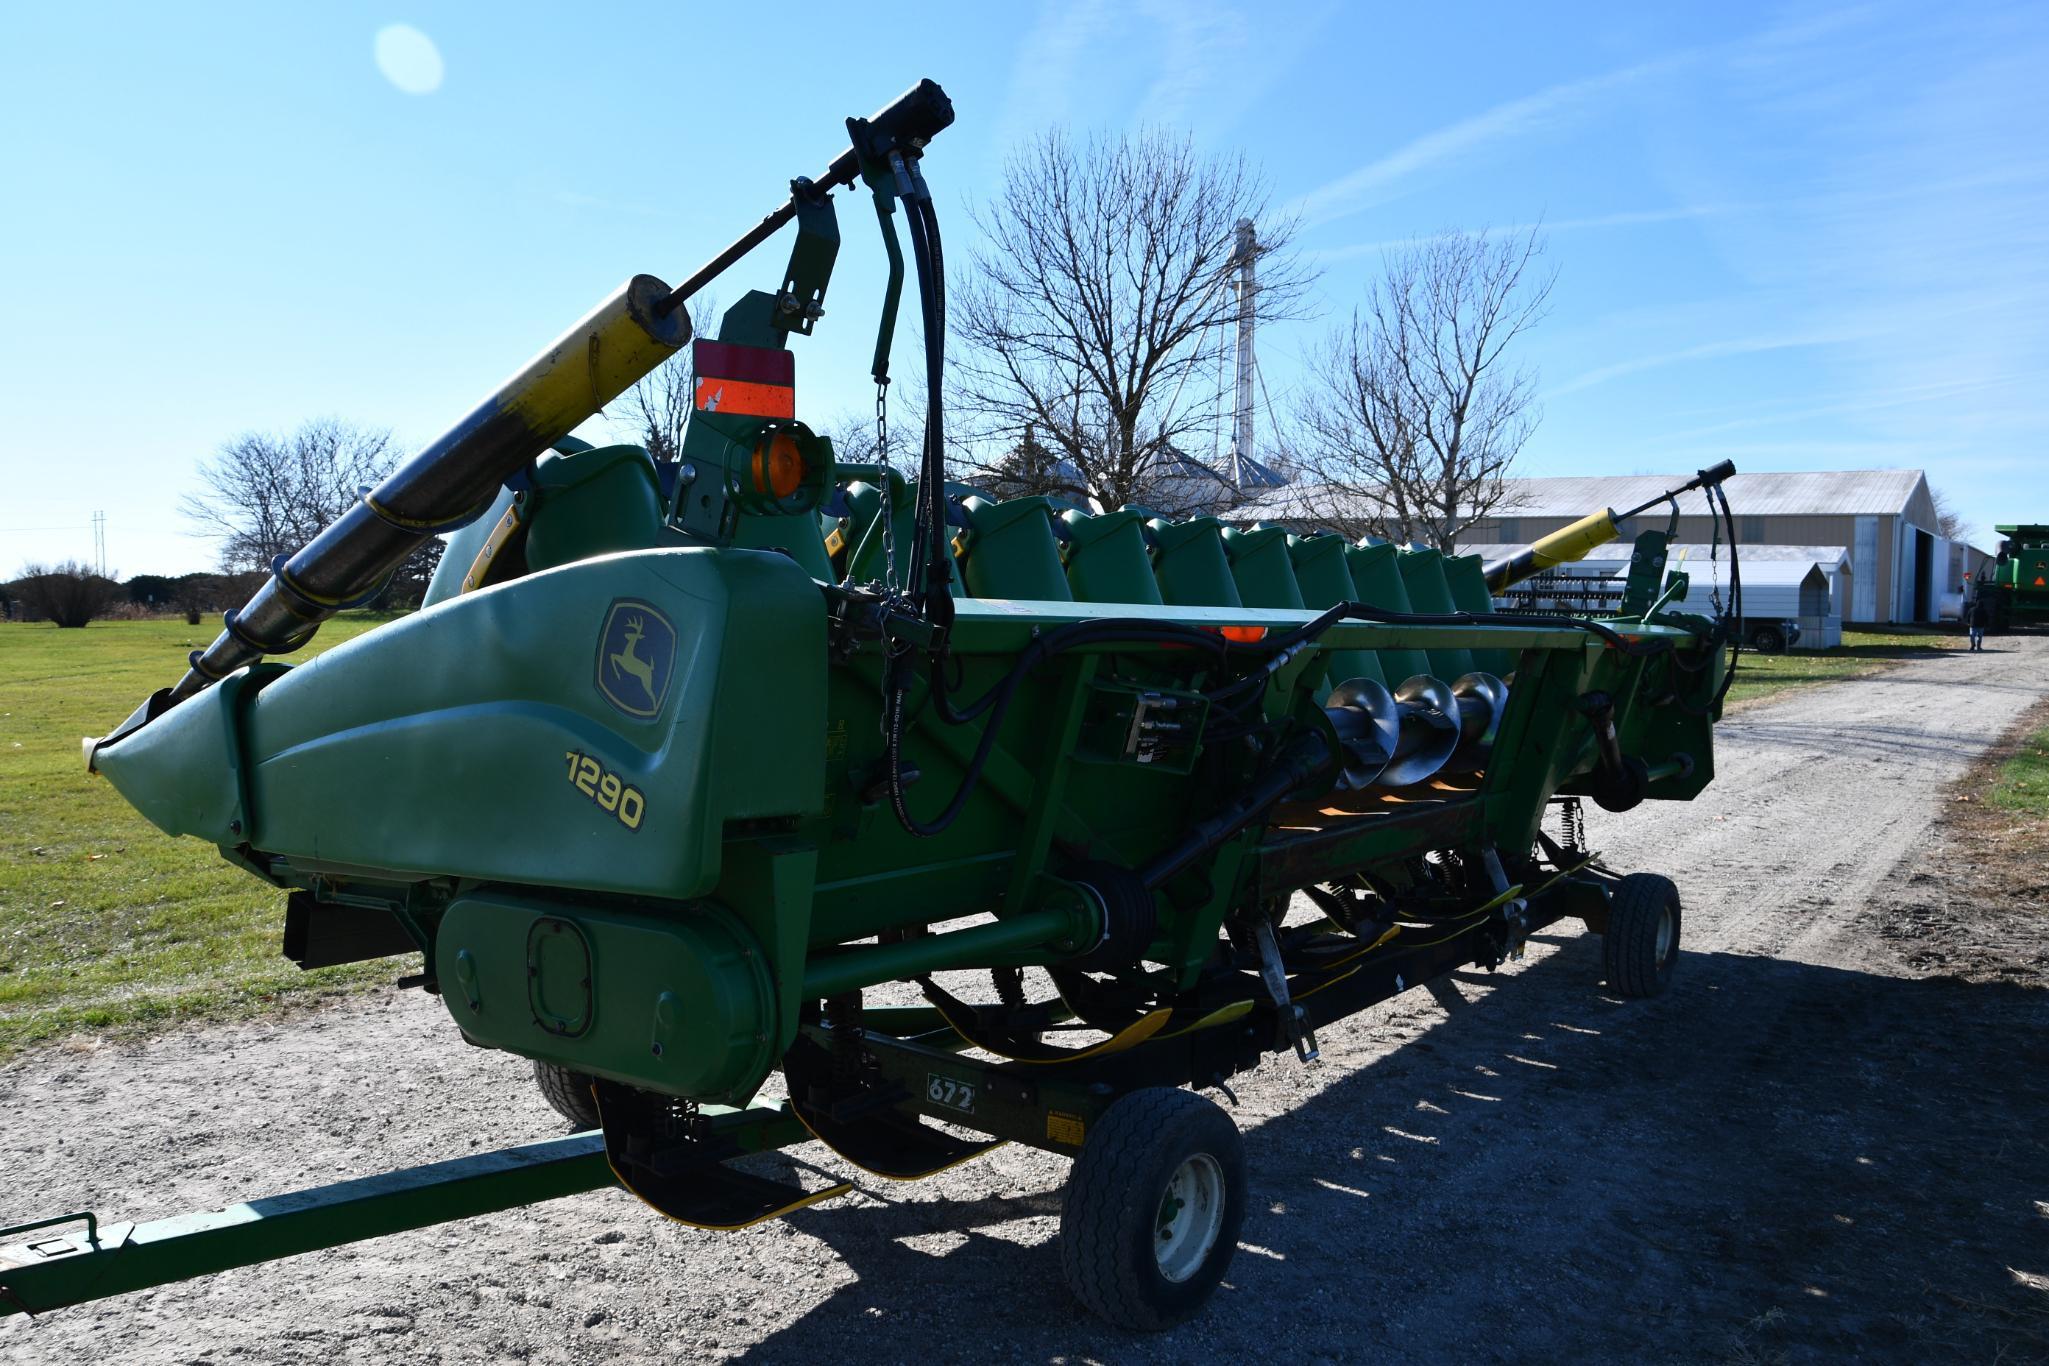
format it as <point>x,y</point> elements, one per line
<point>778,465</point>
<point>1242,635</point>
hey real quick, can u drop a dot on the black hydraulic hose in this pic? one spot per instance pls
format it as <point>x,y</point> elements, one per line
<point>1291,770</point>
<point>1140,631</point>
<point>1735,591</point>
<point>921,256</point>
<point>1102,630</point>
<point>997,703</point>
<point>930,592</point>
<point>933,475</point>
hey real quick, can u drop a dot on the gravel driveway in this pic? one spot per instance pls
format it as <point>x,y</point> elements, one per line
<point>1804,1152</point>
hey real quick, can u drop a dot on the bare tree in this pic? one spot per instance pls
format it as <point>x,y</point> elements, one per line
<point>1100,301</point>
<point>265,495</point>
<point>654,412</point>
<point>1029,468</point>
<point>1418,409</point>
<point>1949,523</point>
<point>69,594</point>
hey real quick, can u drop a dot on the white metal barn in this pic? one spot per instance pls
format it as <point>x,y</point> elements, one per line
<point>1898,567</point>
<point>1899,564</point>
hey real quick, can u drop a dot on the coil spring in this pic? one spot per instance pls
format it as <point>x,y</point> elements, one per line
<point>843,1025</point>
<point>1009,984</point>
<point>679,1119</point>
<point>1572,824</point>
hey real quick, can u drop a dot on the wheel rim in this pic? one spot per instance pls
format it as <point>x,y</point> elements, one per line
<point>1191,1216</point>
<point>1666,930</point>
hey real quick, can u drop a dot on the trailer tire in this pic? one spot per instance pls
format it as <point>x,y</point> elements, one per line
<point>1768,640</point>
<point>569,1092</point>
<point>1153,1209</point>
<point>1640,947</point>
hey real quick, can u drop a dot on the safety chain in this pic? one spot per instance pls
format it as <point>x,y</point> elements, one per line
<point>888,510</point>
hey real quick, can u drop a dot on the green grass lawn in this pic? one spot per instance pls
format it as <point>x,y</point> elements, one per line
<point>1862,652</point>
<point>106,923</point>
<point>2023,781</point>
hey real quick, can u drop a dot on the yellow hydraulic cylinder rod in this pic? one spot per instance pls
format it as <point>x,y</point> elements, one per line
<point>1562,546</point>
<point>610,349</point>
<point>605,353</point>
<point>1576,542</point>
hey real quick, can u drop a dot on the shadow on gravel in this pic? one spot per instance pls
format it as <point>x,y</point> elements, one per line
<point>1775,1162</point>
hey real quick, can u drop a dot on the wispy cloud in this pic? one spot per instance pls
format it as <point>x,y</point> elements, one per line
<point>1738,346</point>
<point>1859,404</point>
<point>1188,64</point>
<point>1197,45</point>
<point>1627,219</point>
<point>1380,180</point>
<point>1049,73</point>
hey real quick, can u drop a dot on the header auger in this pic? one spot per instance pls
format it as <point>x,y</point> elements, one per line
<point>682,761</point>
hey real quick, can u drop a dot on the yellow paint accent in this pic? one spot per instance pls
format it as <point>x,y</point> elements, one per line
<point>1130,1036</point>
<point>487,554</point>
<point>802,1202</point>
<point>1221,1015</point>
<point>1325,986</point>
<point>1064,1128</point>
<point>1575,542</point>
<point>989,1147</point>
<point>606,353</point>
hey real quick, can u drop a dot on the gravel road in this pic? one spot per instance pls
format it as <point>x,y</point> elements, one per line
<point>1806,1151</point>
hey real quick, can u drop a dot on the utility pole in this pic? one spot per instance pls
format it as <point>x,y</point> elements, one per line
<point>1243,253</point>
<point>99,543</point>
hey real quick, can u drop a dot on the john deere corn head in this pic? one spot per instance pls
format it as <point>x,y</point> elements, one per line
<point>684,765</point>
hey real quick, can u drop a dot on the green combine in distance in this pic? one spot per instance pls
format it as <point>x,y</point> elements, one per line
<point>2014,585</point>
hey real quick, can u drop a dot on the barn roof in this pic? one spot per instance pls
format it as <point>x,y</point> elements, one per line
<point>1812,493</point>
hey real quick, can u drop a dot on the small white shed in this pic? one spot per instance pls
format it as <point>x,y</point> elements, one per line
<point>1773,590</point>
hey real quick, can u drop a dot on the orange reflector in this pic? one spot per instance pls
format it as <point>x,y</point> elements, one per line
<point>2039,583</point>
<point>778,466</point>
<point>1242,635</point>
<point>743,399</point>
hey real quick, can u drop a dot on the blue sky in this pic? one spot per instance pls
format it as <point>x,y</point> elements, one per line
<point>1803,237</point>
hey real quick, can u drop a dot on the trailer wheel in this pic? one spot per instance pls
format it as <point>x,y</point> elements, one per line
<point>1641,945</point>
<point>569,1092</point>
<point>1768,640</point>
<point>1153,1209</point>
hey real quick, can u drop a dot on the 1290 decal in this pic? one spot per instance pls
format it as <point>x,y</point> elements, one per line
<point>602,786</point>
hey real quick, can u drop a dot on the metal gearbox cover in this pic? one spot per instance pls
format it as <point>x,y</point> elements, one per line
<point>676,1001</point>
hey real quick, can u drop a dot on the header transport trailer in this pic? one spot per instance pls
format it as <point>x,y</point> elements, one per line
<point>685,764</point>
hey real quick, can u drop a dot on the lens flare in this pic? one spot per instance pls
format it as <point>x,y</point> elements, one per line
<point>409,59</point>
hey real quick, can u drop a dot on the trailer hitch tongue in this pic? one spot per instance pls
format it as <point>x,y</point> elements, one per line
<point>1275,976</point>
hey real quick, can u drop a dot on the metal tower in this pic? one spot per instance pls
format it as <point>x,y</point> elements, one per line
<point>1243,254</point>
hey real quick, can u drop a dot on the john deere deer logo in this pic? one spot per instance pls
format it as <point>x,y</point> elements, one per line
<point>636,655</point>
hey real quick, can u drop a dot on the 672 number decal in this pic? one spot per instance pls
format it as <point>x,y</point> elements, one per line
<point>603,787</point>
<point>954,1095</point>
